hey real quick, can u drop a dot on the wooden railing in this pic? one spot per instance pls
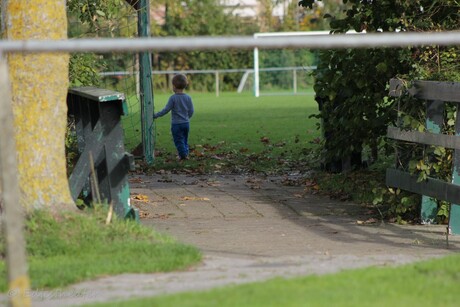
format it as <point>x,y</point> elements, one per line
<point>434,94</point>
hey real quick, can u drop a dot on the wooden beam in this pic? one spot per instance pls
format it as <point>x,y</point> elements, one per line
<point>426,138</point>
<point>94,145</point>
<point>431,187</point>
<point>428,90</point>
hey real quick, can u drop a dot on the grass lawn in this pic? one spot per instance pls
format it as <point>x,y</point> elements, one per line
<point>430,283</point>
<point>237,128</point>
<point>241,120</point>
<point>80,246</point>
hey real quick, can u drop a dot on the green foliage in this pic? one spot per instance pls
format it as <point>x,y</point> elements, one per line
<point>283,58</point>
<point>71,147</point>
<point>92,13</point>
<point>74,247</point>
<point>99,18</point>
<point>395,204</point>
<point>351,85</point>
<point>203,18</point>
<point>84,69</point>
<point>351,89</point>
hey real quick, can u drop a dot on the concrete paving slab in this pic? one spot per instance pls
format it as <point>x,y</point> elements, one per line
<point>252,229</point>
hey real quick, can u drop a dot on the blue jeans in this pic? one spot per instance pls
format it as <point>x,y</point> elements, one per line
<point>180,137</point>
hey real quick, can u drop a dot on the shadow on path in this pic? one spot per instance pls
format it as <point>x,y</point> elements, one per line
<point>247,216</point>
<point>252,229</point>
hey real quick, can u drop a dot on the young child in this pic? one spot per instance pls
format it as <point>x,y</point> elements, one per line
<point>181,107</point>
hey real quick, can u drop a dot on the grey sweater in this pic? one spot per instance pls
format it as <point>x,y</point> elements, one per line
<point>181,107</point>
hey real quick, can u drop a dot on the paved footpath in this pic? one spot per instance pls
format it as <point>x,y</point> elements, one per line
<point>253,229</point>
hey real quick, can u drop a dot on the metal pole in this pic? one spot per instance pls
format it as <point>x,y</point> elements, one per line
<point>146,85</point>
<point>294,80</point>
<point>256,72</point>
<point>105,45</point>
<point>12,217</point>
<point>217,83</point>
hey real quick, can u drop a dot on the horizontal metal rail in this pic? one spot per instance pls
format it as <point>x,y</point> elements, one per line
<point>208,71</point>
<point>369,40</point>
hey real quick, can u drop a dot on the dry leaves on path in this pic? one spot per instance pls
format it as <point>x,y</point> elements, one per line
<point>141,197</point>
<point>194,198</point>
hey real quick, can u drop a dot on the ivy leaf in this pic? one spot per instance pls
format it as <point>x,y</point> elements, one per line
<point>381,67</point>
<point>100,13</point>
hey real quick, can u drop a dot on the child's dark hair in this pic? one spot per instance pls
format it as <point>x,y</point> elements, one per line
<point>180,81</point>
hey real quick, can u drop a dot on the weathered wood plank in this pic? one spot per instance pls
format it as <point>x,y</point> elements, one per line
<point>428,90</point>
<point>99,128</point>
<point>426,138</point>
<point>81,171</point>
<point>95,95</point>
<point>431,187</point>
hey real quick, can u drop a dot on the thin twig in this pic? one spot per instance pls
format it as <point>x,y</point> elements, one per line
<point>109,214</point>
<point>95,185</point>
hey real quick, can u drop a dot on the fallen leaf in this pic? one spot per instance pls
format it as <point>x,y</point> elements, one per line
<point>141,197</point>
<point>280,144</point>
<point>265,140</point>
<point>310,183</point>
<point>143,214</point>
<point>371,221</point>
<point>194,198</point>
<point>135,180</point>
<point>197,153</point>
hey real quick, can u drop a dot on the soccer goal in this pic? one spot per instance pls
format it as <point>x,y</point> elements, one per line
<point>270,76</point>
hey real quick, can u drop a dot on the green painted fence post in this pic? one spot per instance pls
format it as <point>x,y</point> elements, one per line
<point>146,84</point>
<point>434,122</point>
<point>454,214</point>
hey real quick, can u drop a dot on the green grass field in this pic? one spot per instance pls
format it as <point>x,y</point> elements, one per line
<point>240,121</point>
<point>79,246</point>
<point>430,283</point>
<point>234,126</point>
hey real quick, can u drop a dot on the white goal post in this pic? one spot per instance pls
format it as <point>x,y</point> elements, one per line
<point>272,35</point>
<point>268,35</point>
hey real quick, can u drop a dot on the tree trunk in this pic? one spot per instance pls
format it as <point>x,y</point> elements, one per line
<point>39,91</point>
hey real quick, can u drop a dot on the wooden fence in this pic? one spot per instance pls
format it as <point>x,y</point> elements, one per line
<point>434,95</point>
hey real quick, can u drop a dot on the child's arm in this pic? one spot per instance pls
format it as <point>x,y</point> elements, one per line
<point>165,110</point>
<point>191,109</point>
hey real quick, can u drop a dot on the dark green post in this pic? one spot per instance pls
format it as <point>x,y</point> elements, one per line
<point>454,214</point>
<point>434,122</point>
<point>146,83</point>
